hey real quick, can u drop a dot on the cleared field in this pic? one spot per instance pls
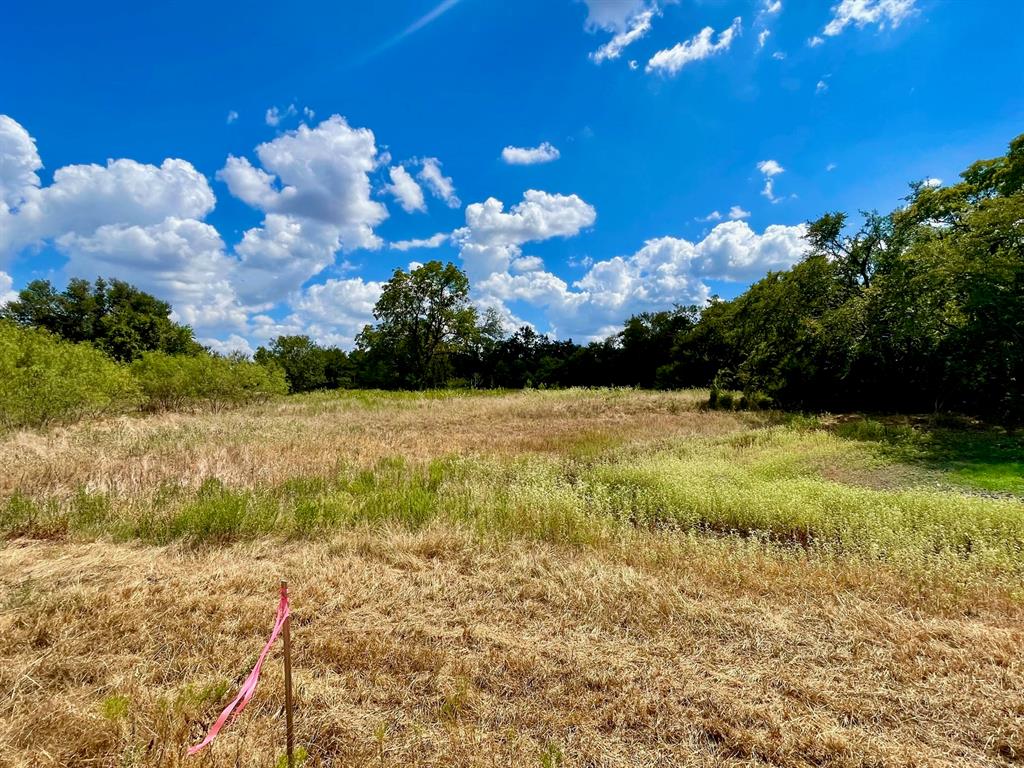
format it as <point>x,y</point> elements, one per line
<point>542,578</point>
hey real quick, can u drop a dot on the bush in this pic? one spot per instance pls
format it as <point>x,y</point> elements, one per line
<point>184,382</point>
<point>44,380</point>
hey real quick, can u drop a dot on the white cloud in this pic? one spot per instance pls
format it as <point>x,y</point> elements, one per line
<point>639,26</point>
<point>831,167</point>
<point>663,272</point>
<point>315,190</point>
<point>713,216</point>
<point>441,186</point>
<point>434,241</point>
<point>84,197</point>
<point>736,213</point>
<point>932,183</point>
<point>771,7</point>
<point>492,237</point>
<point>778,55</point>
<point>7,292</point>
<point>308,113</point>
<point>333,312</point>
<point>861,13</point>
<point>815,41</point>
<point>274,116</point>
<point>762,37</point>
<point>634,65</point>
<point>180,260</point>
<point>701,46</point>
<point>19,161</point>
<point>770,169</point>
<point>405,189</point>
<point>821,87</point>
<point>232,116</point>
<point>545,153</point>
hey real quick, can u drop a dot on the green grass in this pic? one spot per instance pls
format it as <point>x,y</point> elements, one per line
<point>765,484</point>
<point>975,456</point>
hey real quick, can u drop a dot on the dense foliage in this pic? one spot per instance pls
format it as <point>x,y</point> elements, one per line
<point>44,380</point>
<point>212,382</point>
<point>116,317</point>
<point>921,309</point>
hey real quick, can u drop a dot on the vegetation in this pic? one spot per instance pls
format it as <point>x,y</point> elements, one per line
<point>527,578</point>
<point>45,381</point>
<point>182,382</point>
<point>114,316</point>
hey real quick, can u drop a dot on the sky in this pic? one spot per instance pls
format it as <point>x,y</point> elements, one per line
<point>265,167</point>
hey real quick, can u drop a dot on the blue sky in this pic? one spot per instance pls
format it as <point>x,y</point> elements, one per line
<point>265,166</point>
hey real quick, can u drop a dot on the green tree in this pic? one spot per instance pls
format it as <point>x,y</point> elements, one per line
<point>424,321</point>
<point>307,365</point>
<point>114,316</point>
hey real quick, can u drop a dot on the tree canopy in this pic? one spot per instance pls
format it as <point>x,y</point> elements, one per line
<point>114,316</point>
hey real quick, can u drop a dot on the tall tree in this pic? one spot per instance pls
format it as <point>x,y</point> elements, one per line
<point>113,315</point>
<point>424,319</point>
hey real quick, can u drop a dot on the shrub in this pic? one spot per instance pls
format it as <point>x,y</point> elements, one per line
<point>183,382</point>
<point>175,382</point>
<point>44,380</point>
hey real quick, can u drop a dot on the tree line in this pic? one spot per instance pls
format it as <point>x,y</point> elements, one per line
<point>920,309</point>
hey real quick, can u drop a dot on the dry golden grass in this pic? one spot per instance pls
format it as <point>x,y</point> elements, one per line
<point>313,435</point>
<point>485,637</point>
<point>435,648</point>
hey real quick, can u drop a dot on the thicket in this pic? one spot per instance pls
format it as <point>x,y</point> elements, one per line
<point>47,380</point>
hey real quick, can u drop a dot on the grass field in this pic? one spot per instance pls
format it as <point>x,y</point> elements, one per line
<point>599,578</point>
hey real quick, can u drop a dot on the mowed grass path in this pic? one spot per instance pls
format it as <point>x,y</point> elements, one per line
<point>599,578</point>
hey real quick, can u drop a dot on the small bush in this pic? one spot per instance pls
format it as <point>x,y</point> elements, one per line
<point>44,380</point>
<point>184,382</point>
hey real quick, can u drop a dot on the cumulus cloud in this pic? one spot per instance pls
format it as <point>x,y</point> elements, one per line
<point>931,183</point>
<point>233,344</point>
<point>406,191</point>
<point>333,312</point>
<point>639,26</point>
<point>232,116</point>
<point>434,241</point>
<point>19,161</point>
<point>492,237</point>
<point>314,187</point>
<point>663,272</point>
<point>815,41</point>
<point>771,7</point>
<point>180,260</point>
<point>701,46</point>
<point>545,153</point>
<point>440,186</point>
<point>861,13</point>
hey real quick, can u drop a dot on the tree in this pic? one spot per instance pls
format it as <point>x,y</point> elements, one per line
<point>424,320</point>
<point>307,366</point>
<point>114,316</point>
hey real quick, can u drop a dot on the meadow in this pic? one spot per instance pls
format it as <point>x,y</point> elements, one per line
<point>550,578</point>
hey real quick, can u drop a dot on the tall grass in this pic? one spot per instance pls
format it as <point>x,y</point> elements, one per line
<point>763,484</point>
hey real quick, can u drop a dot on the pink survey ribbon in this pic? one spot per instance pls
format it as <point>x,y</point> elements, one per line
<point>248,688</point>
